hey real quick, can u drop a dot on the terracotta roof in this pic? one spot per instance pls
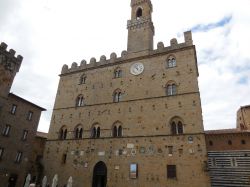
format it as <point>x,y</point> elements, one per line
<point>42,134</point>
<point>225,131</point>
<point>24,100</point>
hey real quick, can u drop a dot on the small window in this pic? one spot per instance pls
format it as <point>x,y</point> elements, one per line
<point>18,157</point>
<point>96,132</point>
<point>171,89</point>
<point>229,142</point>
<point>171,171</point>
<point>64,158</point>
<point>29,116</point>
<point>79,101</point>
<point>176,126</point>
<point>171,62</point>
<point>1,153</point>
<point>6,130</point>
<point>83,79</point>
<point>117,73</point>
<point>243,142</point>
<point>63,133</point>
<point>79,132</point>
<point>25,134</point>
<point>211,143</point>
<point>13,109</point>
<point>117,96</point>
<point>133,173</point>
<point>170,150</point>
<point>117,131</point>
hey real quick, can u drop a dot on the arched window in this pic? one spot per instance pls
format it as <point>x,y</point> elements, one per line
<point>79,101</point>
<point>82,79</point>
<point>171,89</point>
<point>96,131</point>
<point>117,130</point>
<point>176,126</point>
<point>79,132</point>
<point>63,133</point>
<point>139,13</point>
<point>117,73</point>
<point>117,96</point>
<point>171,62</point>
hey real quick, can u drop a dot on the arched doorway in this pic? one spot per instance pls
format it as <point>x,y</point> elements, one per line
<point>99,175</point>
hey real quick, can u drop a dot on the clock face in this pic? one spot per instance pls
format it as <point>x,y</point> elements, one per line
<point>136,68</point>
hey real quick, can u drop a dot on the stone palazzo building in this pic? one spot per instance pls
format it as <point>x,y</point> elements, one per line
<point>19,119</point>
<point>133,120</point>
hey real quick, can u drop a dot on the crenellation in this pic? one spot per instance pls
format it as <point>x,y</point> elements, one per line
<point>10,54</point>
<point>92,61</point>
<point>113,57</point>
<point>74,65</point>
<point>3,46</point>
<point>103,59</point>
<point>124,54</point>
<point>129,56</point>
<point>65,69</point>
<point>160,46</point>
<point>173,42</point>
<point>83,63</point>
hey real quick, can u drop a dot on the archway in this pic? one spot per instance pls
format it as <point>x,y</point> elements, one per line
<point>99,175</point>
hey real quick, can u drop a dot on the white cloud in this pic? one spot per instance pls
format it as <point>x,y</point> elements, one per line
<point>50,33</point>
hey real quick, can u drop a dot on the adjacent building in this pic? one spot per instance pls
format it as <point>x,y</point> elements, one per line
<point>229,153</point>
<point>132,120</point>
<point>19,119</point>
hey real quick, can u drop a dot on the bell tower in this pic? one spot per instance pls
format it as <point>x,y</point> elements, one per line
<point>140,27</point>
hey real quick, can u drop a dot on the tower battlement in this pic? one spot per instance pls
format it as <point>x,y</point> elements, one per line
<point>125,56</point>
<point>9,66</point>
<point>10,54</point>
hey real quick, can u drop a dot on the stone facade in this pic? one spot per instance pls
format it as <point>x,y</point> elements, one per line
<point>19,119</point>
<point>133,120</point>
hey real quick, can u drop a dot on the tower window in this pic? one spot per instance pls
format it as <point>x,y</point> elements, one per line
<point>117,96</point>
<point>117,130</point>
<point>79,101</point>
<point>171,62</point>
<point>117,73</point>
<point>63,133</point>
<point>13,109</point>
<point>83,79</point>
<point>138,13</point>
<point>96,131</point>
<point>25,134</point>
<point>1,153</point>
<point>18,157</point>
<point>171,89</point>
<point>176,126</point>
<point>79,132</point>
<point>29,116</point>
<point>6,130</point>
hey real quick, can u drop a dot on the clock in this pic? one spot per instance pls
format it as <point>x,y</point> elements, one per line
<point>136,68</point>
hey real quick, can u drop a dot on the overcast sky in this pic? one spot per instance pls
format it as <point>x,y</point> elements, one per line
<point>50,33</point>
